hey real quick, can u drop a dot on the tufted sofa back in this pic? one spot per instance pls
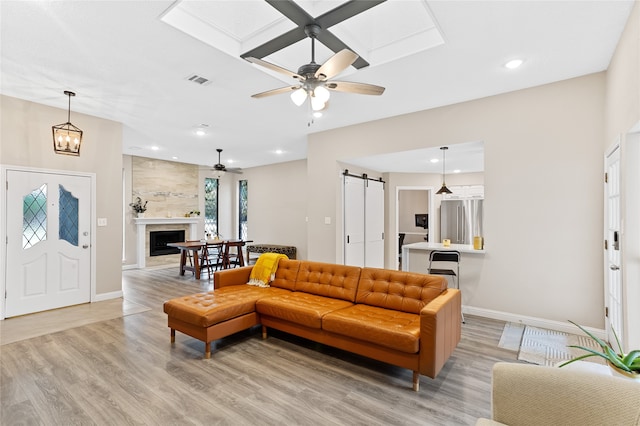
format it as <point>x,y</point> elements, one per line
<point>286,274</point>
<point>401,291</point>
<point>328,279</point>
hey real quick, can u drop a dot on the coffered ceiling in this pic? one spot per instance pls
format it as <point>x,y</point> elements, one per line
<point>141,63</point>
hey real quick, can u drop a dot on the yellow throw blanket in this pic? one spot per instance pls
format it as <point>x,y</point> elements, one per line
<point>265,268</point>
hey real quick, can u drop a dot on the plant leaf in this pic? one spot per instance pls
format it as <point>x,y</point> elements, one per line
<point>631,357</point>
<point>614,359</point>
<point>576,359</point>
<point>617,340</point>
<point>599,341</point>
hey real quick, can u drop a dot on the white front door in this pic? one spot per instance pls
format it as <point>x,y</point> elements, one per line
<point>48,224</point>
<point>613,263</point>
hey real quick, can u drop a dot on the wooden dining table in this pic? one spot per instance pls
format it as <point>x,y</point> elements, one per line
<point>195,247</point>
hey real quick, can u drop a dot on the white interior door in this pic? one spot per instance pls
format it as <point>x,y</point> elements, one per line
<point>374,224</point>
<point>613,264</point>
<point>353,221</point>
<point>48,224</point>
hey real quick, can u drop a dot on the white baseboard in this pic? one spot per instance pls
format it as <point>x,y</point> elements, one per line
<point>565,327</point>
<point>127,267</point>
<point>107,296</point>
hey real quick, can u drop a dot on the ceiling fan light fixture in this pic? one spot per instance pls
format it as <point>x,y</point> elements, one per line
<point>321,93</point>
<point>317,104</point>
<point>299,96</point>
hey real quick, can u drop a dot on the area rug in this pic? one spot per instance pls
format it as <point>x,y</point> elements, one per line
<point>511,336</point>
<point>41,323</point>
<point>549,347</point>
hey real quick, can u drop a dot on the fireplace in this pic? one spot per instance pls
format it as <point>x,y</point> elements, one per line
<point>158,242</point>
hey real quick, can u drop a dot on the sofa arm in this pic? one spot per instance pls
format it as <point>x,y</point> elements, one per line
<point>234,276</point>
<point>440,331</point>
<point>524,394</point>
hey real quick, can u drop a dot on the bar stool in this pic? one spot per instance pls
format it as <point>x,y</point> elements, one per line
<point>446,256</point>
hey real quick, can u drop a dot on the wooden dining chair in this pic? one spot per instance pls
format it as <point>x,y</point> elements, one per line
<point>233,256</point>
<point>211,257</point>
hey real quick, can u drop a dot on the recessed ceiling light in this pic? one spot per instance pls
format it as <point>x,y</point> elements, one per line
<point>434,160</point>
<point>279,151</point>
<point>174,157</point>
<point>514,63</point>
<point>154,148</point>
<point>456,171</point>
<point>201,129</point>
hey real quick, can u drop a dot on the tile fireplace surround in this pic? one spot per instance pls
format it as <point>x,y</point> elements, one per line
<point>142,224</point>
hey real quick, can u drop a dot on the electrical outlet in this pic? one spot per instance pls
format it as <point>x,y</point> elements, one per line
<point>102,221</point>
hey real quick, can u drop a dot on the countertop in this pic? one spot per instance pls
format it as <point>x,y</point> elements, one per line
<point>462,248</point>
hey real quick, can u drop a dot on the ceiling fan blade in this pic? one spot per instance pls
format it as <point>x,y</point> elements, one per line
<point>274,67</point>
<point>351,87</point>
<point>334,43</point>
<point>345,11</point>
<point>235,170</point>
<point>275,92</point>
<point>290,37</point>
<point>336,64</point>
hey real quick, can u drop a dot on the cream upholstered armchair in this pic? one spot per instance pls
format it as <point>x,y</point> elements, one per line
<point>526,394</point>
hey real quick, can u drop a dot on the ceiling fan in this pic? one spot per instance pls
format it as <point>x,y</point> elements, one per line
<point>314,79</point>
<point>221,168</point>
<point>299,16</point>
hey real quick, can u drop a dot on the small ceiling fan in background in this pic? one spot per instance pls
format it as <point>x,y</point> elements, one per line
<point>221,168</point>
<point>314,79</point>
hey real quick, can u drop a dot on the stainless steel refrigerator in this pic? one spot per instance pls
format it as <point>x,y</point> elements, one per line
<point>461,220</point>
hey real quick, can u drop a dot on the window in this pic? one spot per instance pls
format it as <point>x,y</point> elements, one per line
<point>242,209</point>
<point>210,207</point>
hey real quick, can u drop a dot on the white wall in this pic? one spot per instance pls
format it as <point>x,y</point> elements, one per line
<point>543,191</point>
<point>278,197</point>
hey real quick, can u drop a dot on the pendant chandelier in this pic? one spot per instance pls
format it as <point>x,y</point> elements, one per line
<point>444,189</point>
<point>67,138</point>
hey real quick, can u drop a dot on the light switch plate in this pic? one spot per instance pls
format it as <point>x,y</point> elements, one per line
<point>327,220</point>
<point>102,221</point>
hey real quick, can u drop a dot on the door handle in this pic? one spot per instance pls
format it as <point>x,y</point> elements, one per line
<point>614,267</point>
<point>85,246</point>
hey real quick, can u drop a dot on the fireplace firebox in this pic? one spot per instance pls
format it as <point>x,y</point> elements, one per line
<point>158,242</point>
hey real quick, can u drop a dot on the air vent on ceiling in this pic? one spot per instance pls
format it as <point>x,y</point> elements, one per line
<point>198,79</point>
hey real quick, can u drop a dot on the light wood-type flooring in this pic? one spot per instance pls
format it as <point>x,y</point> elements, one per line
<point>124,371</point>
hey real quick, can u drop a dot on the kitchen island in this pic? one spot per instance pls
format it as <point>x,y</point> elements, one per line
<point>415,258</point>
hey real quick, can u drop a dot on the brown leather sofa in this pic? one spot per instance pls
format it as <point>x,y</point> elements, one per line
<point>405,319</point>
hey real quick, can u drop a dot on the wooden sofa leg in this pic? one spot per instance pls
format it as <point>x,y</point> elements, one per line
<point>173,335</point>
<point>207,350</point>
<point>264,332</point>
<point>416,381</point>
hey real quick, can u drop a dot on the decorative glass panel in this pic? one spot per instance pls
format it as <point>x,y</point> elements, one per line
<point>68,217</point>
<point>34,217</point>
<point>242,219</point>
<point>211,207</point>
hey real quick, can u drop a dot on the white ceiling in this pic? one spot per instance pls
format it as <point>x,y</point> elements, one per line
<point>127,61</point>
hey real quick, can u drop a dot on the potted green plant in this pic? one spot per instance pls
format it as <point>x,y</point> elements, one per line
<point>194,213</point>
<point>138,207</point>
<point>627,365</point>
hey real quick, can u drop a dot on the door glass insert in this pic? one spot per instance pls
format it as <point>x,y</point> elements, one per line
<point>34,217</point>
<point>68,217</point>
